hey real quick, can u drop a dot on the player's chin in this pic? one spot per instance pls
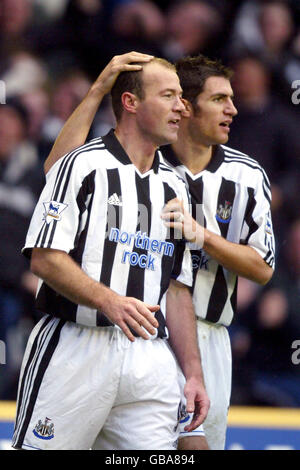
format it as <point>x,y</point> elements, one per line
<point>222,139</point>
<point>169,138</point>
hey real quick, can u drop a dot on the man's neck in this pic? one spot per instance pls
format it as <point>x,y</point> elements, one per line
<point>193,155</point>
<point>139,150</point>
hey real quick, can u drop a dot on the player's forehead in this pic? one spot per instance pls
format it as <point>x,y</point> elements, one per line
<point>158,76</point>
<point>217,86</point>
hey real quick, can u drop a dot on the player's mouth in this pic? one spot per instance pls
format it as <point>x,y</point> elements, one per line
<point>174,123</point>
<point>226,125</point>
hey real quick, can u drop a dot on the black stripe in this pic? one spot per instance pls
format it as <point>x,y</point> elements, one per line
<point>233,298</point>
<point>225,202</point>
<point>28,364</point>
<point>248,216</point>
<point>166,169</point>
<point>114,220</point>
<point>87,188</point>
<point>218,297</point>
<point>178,259</point>
<point>38,381</point>
<point>136,277</point>
<point>167,261</point>
<point>196,192</point>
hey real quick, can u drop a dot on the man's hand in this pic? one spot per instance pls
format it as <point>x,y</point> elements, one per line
<point>176,216</point>
<point>118,64</point>
<point>197,402</point>
<point>130,312</point>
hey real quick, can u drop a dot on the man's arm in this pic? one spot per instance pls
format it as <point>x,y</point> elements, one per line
<point>181,323</point>
<point>242,260</point>
<point>61,273</point>
<point>77,127</point>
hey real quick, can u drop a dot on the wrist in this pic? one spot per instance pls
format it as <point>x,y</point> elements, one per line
<point>96,92</point>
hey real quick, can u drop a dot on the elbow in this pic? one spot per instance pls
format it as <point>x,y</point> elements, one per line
<point>265,276</point>
<point>39,263</point>
<point>36,267</point>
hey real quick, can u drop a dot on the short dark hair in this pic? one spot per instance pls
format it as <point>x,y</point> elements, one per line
<point>133,83</point>
<point>193,73</point>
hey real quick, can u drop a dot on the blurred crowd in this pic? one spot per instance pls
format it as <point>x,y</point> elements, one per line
<point>52,50</point>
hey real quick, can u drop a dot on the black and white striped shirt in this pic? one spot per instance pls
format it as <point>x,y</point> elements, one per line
<point>235,196</point>
<point>105,214</point>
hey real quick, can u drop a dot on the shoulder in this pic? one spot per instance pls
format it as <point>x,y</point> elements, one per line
<point>244,162</point>
<point>81,160</point>
<point>168,171</point>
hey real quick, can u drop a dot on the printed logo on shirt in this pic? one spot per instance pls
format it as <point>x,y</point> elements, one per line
<point>142,242</point>
<point>53,211</point>
<point>223,214</point>
<point>200,261</point>
<point>44,430</point>
<point>115,200</point>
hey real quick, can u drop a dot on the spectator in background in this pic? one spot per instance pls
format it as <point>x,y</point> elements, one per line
<point>192,27</point>
<point>267,29</point>
<point>267,129</point>
<point>67,94</point>
<point>266,326</point>
<point>21,181</point>
<point>37,104</point>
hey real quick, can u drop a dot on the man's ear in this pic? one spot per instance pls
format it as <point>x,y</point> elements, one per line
<point>188,108</point>
<point>129,102</point>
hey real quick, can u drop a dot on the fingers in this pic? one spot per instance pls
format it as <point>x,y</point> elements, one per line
<point>174,205</point>
<point>118,64</point>
<point>199,415</point>
<point>123,62</point>
<point>139,317</point>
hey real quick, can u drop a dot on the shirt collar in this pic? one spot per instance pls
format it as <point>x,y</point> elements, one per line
<point>214,164</point>
<point>114,147</point>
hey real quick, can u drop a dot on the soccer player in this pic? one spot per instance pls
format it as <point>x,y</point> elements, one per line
<point>234,194</point>
<point>114,284</point>
<point>230,197</point>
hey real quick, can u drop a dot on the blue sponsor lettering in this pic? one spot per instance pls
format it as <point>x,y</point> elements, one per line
<point>141,240</point>
<point>144,261</point>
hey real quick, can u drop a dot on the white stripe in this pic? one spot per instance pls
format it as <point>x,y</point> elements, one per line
<point>229,149</point>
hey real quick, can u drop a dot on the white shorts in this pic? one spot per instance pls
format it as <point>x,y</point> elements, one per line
<point>79,385</point>
<point>215,349</point>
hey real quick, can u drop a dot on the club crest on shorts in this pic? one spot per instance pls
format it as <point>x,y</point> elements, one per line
<point>223,214</point>
<point>44,430</point>
<point>53,211</point>
<point>183,415</point>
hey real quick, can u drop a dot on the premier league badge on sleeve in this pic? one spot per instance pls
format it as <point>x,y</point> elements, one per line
<point>53,211</point>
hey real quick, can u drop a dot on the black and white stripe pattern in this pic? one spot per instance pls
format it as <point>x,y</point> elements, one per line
<point>32,373</point>
<point>234,194</point>
<point>106,215</point>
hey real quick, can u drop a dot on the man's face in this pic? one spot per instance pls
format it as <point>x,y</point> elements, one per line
<point>159,113</point>
<point>210,122</point>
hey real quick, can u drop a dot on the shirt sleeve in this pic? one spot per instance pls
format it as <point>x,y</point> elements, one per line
<point>258,229</point>
<point>54,223</point>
